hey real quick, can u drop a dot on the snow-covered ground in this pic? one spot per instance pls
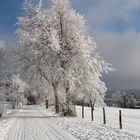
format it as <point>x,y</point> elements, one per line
<point>37,123</point>
<point>87,130</point>
<point>30,123</point>
<point>5,122</point>
<point>130,117</point>
<point>84,129</point>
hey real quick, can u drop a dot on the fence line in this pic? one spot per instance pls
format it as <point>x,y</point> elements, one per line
<point>104,116</point>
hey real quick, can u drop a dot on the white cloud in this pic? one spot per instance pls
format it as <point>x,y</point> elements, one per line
<point>109,11</point>
<point>122,50</point>
<point>121,47</point>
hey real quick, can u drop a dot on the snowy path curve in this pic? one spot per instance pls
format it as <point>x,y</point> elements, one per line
<point>32,124</point>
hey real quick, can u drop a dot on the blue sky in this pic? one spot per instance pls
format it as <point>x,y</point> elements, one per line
<point>9,10</point>
<point>115,26</point>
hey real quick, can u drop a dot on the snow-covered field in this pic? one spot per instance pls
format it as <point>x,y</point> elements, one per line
<point>130,117</point>
<point>87,130</point>
<point>84,129</point>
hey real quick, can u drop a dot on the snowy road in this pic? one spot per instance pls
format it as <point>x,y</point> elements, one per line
<point>30,123</point>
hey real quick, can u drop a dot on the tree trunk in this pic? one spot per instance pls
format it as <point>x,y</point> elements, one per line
<point>92,109</point>
<point>70,109</point>
<point>55,86</point>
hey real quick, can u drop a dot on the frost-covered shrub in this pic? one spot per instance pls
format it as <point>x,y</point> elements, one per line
<point>65,111</point>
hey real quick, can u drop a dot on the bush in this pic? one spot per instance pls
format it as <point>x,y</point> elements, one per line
<point>67,111</point>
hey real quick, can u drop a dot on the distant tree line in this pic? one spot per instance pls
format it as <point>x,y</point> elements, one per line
<point>122,99</point>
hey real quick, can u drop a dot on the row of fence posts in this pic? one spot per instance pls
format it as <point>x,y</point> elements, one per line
<point>104,116</point>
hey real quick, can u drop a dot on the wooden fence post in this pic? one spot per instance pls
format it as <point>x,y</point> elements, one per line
<point>120,119</point>
<point>46,103</point>
<point>104,116</point>
<point>92,118</point>
<point>82,111</point>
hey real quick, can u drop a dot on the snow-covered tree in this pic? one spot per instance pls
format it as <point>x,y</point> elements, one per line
<point>2,84</point>
<point>55,45</point>
<point>131,101</point>
<point>37,48</point>
<point>126,100</point>
<point>16,90</point>
<point>79,62</point>
<point>2,48</point>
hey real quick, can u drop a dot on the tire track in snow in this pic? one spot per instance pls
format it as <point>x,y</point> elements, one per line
<point>31,124</point>
<point>57,132</point>
<point>12,132</point>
